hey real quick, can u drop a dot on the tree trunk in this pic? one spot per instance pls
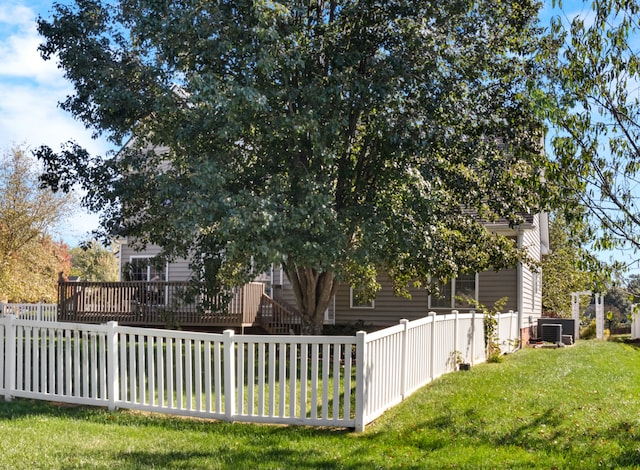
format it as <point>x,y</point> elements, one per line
<point>314,291</point>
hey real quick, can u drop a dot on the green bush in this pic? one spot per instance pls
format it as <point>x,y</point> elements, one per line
<point>588,332</point>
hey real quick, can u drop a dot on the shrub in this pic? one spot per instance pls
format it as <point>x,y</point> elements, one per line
<point>588,332</point>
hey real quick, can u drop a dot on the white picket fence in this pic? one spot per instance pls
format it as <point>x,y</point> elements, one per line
<point>40,311</point>
<point>344,381</point>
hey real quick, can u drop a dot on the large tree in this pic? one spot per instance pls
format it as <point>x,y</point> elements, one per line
<point>91,261</point>
<point>336,138</point>
<point>592,102</point>
<point>29,216</point>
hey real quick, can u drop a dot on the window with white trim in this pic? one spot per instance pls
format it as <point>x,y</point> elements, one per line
<point>452,294</point>
<point>144,269</point>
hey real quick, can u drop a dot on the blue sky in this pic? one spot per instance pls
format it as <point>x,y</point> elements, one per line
<point>30,89</point>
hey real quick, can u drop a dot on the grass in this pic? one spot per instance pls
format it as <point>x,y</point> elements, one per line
<point>577,407</point>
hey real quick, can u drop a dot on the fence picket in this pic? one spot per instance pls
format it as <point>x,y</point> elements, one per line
<point>179,377</point>
<point>282,379</point>
<point>293,371</point>
<point>304,358</point>
<point>160,373</point>
<point>170,375</point>
<point>314,381</point>
<point>197,373</point>
<point>251,372</point>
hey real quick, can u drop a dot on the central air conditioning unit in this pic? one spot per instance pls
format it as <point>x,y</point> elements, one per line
<point>551,333</point>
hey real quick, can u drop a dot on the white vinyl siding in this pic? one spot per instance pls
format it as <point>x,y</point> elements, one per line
<point>531,279</point>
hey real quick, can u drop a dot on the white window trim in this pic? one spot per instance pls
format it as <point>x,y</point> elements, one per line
<point>535,291</point>
<point>330,313</point>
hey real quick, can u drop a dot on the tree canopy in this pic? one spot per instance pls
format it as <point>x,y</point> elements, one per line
<point>333,138</point>
<point>94,263</point>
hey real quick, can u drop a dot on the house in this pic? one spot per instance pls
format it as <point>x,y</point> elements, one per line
<point>521,285</point>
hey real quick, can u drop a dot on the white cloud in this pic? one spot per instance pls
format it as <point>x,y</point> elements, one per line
<point>30,89</point>
<point>15,13</point>
<point>19,56</point>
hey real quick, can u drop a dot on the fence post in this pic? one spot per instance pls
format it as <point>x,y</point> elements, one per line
<point>112,365</point>
<point>40,312</point>
<point>405,356</point>
<point>497,334</point>
<point>473,337</point>
<point>9,357</point>
<point>512,336</point>
<point>432,349</point>
<point>599,316</point>
<point>229,374</point>
<point>362,388</point>
<point>456,332</point>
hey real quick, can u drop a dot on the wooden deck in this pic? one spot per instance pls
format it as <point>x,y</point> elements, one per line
<point>162,304</point>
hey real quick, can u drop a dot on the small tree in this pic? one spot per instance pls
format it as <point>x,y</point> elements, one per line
<point>570,267</point>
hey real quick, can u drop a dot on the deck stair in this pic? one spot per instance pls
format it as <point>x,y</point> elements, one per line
<point>277,317</point>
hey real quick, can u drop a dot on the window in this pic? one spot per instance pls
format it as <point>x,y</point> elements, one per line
<point>443,298</point>
<point>357,302</point>
<point>452,293</point>
<point>144,269</point>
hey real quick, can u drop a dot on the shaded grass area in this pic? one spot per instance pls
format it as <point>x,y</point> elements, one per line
<point>577,407</point>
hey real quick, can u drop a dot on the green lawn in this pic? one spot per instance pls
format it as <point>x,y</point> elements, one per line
<point>577,407</point>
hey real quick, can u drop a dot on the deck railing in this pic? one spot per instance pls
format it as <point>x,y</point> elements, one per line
<point>277,317</point>
<point>154,303</point>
